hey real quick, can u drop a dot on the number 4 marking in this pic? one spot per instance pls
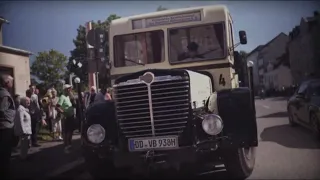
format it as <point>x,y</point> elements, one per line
<point>222,81</point>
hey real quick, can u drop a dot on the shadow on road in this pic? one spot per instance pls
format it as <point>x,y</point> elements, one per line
<point>275,115</point>
<point>43,161</point>
<point>291,137</point>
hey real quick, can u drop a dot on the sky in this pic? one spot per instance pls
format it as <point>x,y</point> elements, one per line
<point>39,26</point>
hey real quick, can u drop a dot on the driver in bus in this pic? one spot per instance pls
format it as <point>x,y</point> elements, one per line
<point>192,52</point>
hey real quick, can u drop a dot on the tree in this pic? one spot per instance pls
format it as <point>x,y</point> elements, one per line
<point>161,8</point>
<point>80,50</point>
<point>34,81</point>
<point>49,67</point>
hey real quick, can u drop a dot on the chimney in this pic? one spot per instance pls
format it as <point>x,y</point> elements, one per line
<point>2,21</point>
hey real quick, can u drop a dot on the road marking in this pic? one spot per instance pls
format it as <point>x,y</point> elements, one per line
<point>267,107</point>
<point>66,167</point>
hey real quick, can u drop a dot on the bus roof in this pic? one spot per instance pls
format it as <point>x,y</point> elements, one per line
<point>217,8</point>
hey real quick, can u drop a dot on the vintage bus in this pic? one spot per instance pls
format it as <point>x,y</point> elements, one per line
<point>177,104</point>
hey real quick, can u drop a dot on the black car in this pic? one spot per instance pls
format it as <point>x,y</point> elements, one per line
<point>303,107</point>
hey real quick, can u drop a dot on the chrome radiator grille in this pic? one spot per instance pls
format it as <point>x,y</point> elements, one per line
<point>170,108</point>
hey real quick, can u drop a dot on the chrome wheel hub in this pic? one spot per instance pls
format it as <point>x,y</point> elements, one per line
<point>247,152</point>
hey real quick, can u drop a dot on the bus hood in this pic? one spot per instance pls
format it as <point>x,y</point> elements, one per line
<point>200,88</point>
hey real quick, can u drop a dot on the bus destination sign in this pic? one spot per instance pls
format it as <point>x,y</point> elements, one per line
<point>166,20</point>
<point>174,19</point>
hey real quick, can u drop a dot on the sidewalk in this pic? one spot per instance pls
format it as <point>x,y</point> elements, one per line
<point>49,159</point>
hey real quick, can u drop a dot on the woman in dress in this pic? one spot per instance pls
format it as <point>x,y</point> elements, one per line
<point>22,126</point>
<point>55,115</point>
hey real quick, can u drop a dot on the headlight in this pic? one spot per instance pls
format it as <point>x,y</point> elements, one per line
<point>96,133</point>
<point>212,124</point>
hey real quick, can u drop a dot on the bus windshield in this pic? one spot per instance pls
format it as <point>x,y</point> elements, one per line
<point>139,48</point>
<point>197,43</point>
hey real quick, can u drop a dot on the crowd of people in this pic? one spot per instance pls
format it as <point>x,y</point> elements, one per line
<point>22,116</point>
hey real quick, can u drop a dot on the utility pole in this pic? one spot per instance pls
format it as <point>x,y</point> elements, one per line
<point>96,38</point>
<point>90,53</point>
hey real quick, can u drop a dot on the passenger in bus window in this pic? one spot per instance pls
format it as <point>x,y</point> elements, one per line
<point>192,52</point>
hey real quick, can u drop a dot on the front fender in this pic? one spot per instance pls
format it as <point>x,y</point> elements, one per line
<point>314,109</point>
<point>102,113</point>
<point>238,114</point>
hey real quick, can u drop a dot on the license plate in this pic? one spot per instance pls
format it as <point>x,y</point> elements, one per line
<point>139,144</point>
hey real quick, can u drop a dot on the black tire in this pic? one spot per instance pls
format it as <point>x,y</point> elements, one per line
<point>315,123</point>
<point>291,120</point>
<point>240,162</point>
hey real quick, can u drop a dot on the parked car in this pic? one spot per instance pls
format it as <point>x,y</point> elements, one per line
<point>304,106</point>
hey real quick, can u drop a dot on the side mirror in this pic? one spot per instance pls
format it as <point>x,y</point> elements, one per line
<point>243,37</point>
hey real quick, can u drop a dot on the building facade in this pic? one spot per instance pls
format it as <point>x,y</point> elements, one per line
<point>16,63</point>
<point>268,57</point>
<point>278,75</point>
<point>304,48</point>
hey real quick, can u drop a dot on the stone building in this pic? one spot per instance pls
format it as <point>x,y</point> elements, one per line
<point>16,63</point>
<point>304,48</point>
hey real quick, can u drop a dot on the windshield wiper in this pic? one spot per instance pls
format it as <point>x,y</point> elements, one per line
<point>134,61</point>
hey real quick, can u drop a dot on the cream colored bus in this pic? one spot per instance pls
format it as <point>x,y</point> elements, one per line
<point>159,40</point>
<point>176,103</point>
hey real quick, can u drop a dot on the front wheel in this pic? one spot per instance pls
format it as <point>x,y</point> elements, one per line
<point>240,162</point>
<point>291,118</point>
<point>315,122</point>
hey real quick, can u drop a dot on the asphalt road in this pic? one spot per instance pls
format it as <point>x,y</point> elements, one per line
<point>284,152</point>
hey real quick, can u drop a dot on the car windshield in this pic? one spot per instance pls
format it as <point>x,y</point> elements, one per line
<point>139,48</point>
<point>197,43</point>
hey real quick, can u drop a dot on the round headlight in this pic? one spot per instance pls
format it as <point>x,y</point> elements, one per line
<point>212,124</point>
<point>96,133</point>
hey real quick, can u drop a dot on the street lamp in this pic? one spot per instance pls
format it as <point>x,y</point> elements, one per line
<point>79,113</point>
<point>77,80</point>
<point>78,65</point>
<point>250,65</point>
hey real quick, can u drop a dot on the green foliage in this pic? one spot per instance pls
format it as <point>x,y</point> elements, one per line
<point>161,8</point>
<point>80,50</point>
<point>34,81</point>
<point>49,67</point>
